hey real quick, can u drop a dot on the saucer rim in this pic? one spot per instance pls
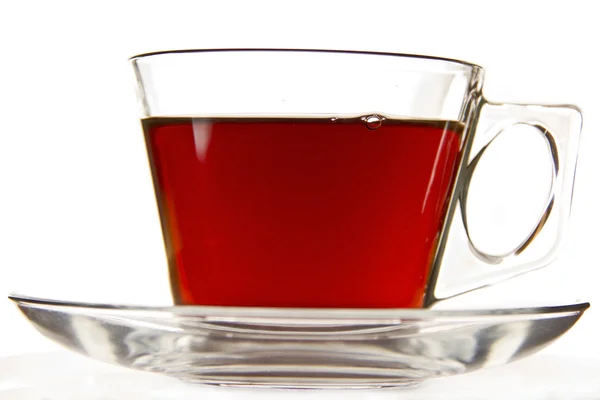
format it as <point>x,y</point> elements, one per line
<point>312,313</point>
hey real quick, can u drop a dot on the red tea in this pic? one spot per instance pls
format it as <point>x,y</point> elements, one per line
<point>299,212</point>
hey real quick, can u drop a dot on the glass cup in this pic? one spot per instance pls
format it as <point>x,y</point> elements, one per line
<point>336,179</point>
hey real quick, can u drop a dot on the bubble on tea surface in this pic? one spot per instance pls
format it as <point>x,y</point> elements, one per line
<point>334,119</point>
<point>373,121</point>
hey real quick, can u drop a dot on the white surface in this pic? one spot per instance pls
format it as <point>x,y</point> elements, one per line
<point>62,375</point>
<point>77,207</point>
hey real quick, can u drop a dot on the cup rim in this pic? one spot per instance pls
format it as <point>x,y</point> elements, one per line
<point>301,50</point>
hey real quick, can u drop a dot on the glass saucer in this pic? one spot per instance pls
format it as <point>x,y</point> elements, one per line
<point>300,348</point>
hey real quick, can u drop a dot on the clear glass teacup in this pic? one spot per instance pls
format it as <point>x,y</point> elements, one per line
<point>333,179</point>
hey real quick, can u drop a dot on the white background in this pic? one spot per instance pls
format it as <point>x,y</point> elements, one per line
<point>77,212</point>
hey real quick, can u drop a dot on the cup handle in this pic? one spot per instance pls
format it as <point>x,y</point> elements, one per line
<point>460,267</point>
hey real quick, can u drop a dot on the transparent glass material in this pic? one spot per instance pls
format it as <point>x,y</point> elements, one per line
<point>302,82</point>
<point>315,207</point>
<point>300,348</point>
<point>299,85</point>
